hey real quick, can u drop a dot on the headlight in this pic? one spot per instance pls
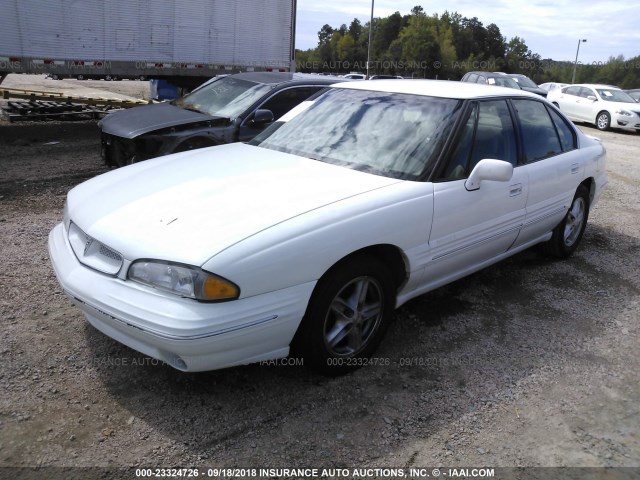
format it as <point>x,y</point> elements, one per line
<point>625,113</point>
<point>183,280</point>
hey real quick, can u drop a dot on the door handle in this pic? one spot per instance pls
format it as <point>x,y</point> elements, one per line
<point>575,168</point>
<point>515,189</point>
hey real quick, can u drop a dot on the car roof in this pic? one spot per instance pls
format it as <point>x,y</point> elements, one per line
<point>595,85</point>
<point>276,78</point>
<point>486,74</point>
<point>438,88</point>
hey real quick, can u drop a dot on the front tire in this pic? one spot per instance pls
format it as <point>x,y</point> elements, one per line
<point>603,121</point>
<point>568,234</point>
<point>347,316</point>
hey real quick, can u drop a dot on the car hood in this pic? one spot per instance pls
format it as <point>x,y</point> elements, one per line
<point>136,121</point>
<point>536,90</point>
<point>634,107</point>
<point>190,206</point>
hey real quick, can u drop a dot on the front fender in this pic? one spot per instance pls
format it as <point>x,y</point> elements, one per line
<point>302,249</point>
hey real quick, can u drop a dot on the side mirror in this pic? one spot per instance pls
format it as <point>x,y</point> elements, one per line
<point>262,117</point>
<point>489,169</point>
<point>592,98</point>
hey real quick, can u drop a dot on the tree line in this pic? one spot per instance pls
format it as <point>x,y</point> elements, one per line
<point>447,46</point>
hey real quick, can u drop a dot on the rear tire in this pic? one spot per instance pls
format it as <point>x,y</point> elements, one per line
<point>568,234</point>
<point>347,316</point>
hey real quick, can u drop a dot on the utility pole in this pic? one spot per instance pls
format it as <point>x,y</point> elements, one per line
<point>370,36</point>
<point>575,64</point>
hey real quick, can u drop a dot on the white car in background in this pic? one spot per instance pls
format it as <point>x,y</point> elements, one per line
<point>355,76</point>
<point>549,86</point>
<point>308,238</point>
<point>601,105</point>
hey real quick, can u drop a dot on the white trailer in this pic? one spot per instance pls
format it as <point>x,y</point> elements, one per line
<point>184,42</point>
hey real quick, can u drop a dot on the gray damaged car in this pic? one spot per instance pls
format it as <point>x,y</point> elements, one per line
<point>228,109</point>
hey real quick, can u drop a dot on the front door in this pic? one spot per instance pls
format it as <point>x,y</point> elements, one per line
<point>470,228</point>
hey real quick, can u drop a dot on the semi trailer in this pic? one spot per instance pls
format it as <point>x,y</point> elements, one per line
<point>183,42</point>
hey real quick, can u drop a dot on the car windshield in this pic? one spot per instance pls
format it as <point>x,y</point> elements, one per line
<point>506,82</point>
<point>615,96</point>
<point>390,134</point>
<point>525,82</point>
<point>227,97</point>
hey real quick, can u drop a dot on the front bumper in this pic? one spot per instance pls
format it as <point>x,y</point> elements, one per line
<point>188,335</point>
<point>118,152</point>
<point>626,122</point>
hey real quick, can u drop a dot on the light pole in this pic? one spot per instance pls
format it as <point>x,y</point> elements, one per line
<point>575,64</point>
<point>370,35</point>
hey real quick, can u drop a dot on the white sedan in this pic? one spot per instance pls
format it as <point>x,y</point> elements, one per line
<point>601,105</point>
<point>306,240</point>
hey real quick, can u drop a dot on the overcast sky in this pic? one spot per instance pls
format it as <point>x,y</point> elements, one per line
<point>550,28</point>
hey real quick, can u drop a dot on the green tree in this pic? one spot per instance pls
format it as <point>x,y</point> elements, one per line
<point>516,54</point>
<point>324,35</point>
<point>496,43</point>
<point>355,29</point>
<point>419,47</point>
<point>346,49</point>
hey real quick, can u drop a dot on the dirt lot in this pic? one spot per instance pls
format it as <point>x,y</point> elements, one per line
<point>532,362</point>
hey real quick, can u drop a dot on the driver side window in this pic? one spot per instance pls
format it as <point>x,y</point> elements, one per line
<point>487,133</point>
<point>285,100</point>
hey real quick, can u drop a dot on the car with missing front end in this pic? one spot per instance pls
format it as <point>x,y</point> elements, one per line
<point>232,108</point>
<point>305,240</point>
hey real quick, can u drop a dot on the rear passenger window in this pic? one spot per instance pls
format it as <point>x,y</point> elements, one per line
<point>539,136</point>
<point>586,92</point>
<point>572,91</point>
<point>565,132</point>
<point>487,133</point>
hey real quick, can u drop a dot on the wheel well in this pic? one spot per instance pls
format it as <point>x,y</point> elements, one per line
<point>199,140</point>
<point>390,255</point>
<point>590,185</point>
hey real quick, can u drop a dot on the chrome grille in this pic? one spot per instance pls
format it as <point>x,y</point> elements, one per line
<point>107,252</point>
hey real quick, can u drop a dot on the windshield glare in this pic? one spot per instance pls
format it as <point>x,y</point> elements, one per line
<point>228,97</point>
<point>615,96</point>
<point>396,135</point>
<point>507,82</point>
<point>525,82</point>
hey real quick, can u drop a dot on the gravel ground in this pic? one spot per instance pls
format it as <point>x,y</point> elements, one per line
<point>531,362</point>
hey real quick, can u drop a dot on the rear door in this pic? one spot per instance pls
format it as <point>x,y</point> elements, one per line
<point>584,105</point>
<point>567,100</point>
<point>552,164</point>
